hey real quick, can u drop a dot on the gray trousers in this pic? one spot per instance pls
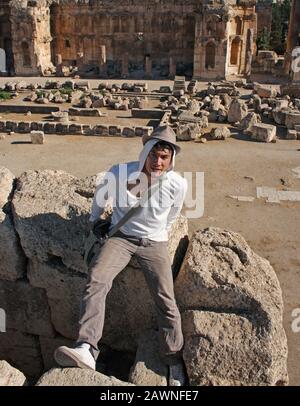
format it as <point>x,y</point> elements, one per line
<point>155,263</point>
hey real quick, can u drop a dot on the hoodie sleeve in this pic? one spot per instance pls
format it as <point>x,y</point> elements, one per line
<point>101,196</point>
<point>178,203</point>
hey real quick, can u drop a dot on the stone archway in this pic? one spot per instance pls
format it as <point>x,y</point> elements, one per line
<point>2,61</point>
<point>235,51</point>
<point>210,55</point>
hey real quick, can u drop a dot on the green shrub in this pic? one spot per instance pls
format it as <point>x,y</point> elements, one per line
<point>4,95</point>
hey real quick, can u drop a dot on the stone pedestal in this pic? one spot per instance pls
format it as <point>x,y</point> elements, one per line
<point>124,72</point>
<point>79,62</point>
<point>102,61</point>
<point>148,67</point>
<point>295,67</point>
<point>172,68</point>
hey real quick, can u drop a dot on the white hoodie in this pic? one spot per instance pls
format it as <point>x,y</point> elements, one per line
<point>153,220</point>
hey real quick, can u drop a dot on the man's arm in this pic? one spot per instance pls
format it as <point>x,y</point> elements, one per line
<point>177,205</point>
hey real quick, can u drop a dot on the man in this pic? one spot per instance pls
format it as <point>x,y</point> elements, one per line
<point>144,235</point>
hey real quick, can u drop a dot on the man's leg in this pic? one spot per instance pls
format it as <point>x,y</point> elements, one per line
<point>156,265</point>
<point>112,259</point>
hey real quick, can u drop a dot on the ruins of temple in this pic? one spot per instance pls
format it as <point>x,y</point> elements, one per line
<point>205,39</point>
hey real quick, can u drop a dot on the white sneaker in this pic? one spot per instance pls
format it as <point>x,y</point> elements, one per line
<point>177,375</point>
<point>80,357</point>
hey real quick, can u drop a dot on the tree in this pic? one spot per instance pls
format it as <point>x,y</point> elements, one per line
<point>263,40</point>
<point>279,30</point>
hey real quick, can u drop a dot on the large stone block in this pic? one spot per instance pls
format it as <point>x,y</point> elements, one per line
<point>241,302</point>
<point>237,111</point>
<point>102,130</point>
<point>64,291</point>
<point>292,119</point>
<point>37,137</point>
<point>231,349</point>
<point>263,132</point>
<point>48,347</point>
<point>148,369</point>
<point>6,185</point>
<point>78,377</point>
<point>24,127</point>
<point>265,90</point>
<point>22,351</point>
<point>50,210</point>
<point>2,126</point>
<point>10,376</point>
<point>26,308</point>
<point>12,258</point>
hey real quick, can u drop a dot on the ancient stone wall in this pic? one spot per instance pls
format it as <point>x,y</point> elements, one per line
<point>30,22</point>
<point>225,39</point>
<point>149,39</point>
<point>129,37</point>
<point>5,35</point>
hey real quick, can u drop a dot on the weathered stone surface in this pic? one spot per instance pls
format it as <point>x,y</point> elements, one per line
<point>23,351</point>
<point>222,274</point>
<point>265,90</point>
<point>148,369</point>
<point>228,349</point>
<point>78,377</point>
<point>187,132</point>
<point>26,307</point>
<point>49,345</point>
<point>37,137</point>
<point>291,135</point>
<point>10,376</point>
<point>292,119</point>
<point>6,185</point>
<point>263,132</point>
<point>64,292</point>
<point>220,133</point>
<point>50,213</point>
<point>12,258</point>
<point>249,121</point>
<point>237,111</point>
<point>279,115</point>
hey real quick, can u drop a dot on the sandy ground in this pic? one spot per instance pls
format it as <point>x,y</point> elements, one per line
<point>272,230</point>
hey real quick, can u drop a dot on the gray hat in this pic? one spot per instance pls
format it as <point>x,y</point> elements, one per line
<point>163,133</point>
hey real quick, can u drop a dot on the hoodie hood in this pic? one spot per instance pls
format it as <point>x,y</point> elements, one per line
<point>143,156</point>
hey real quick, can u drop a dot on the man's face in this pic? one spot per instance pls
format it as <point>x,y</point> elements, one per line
<point>158,161</point>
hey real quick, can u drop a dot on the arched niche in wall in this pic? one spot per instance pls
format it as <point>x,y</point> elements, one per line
<point>238,25</point>
<point>26,54</point>
<point>210,55</point>
<point>235,51</point>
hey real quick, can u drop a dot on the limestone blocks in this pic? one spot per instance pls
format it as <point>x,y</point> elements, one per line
<point>231,306</point>
<point>263,132</point>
